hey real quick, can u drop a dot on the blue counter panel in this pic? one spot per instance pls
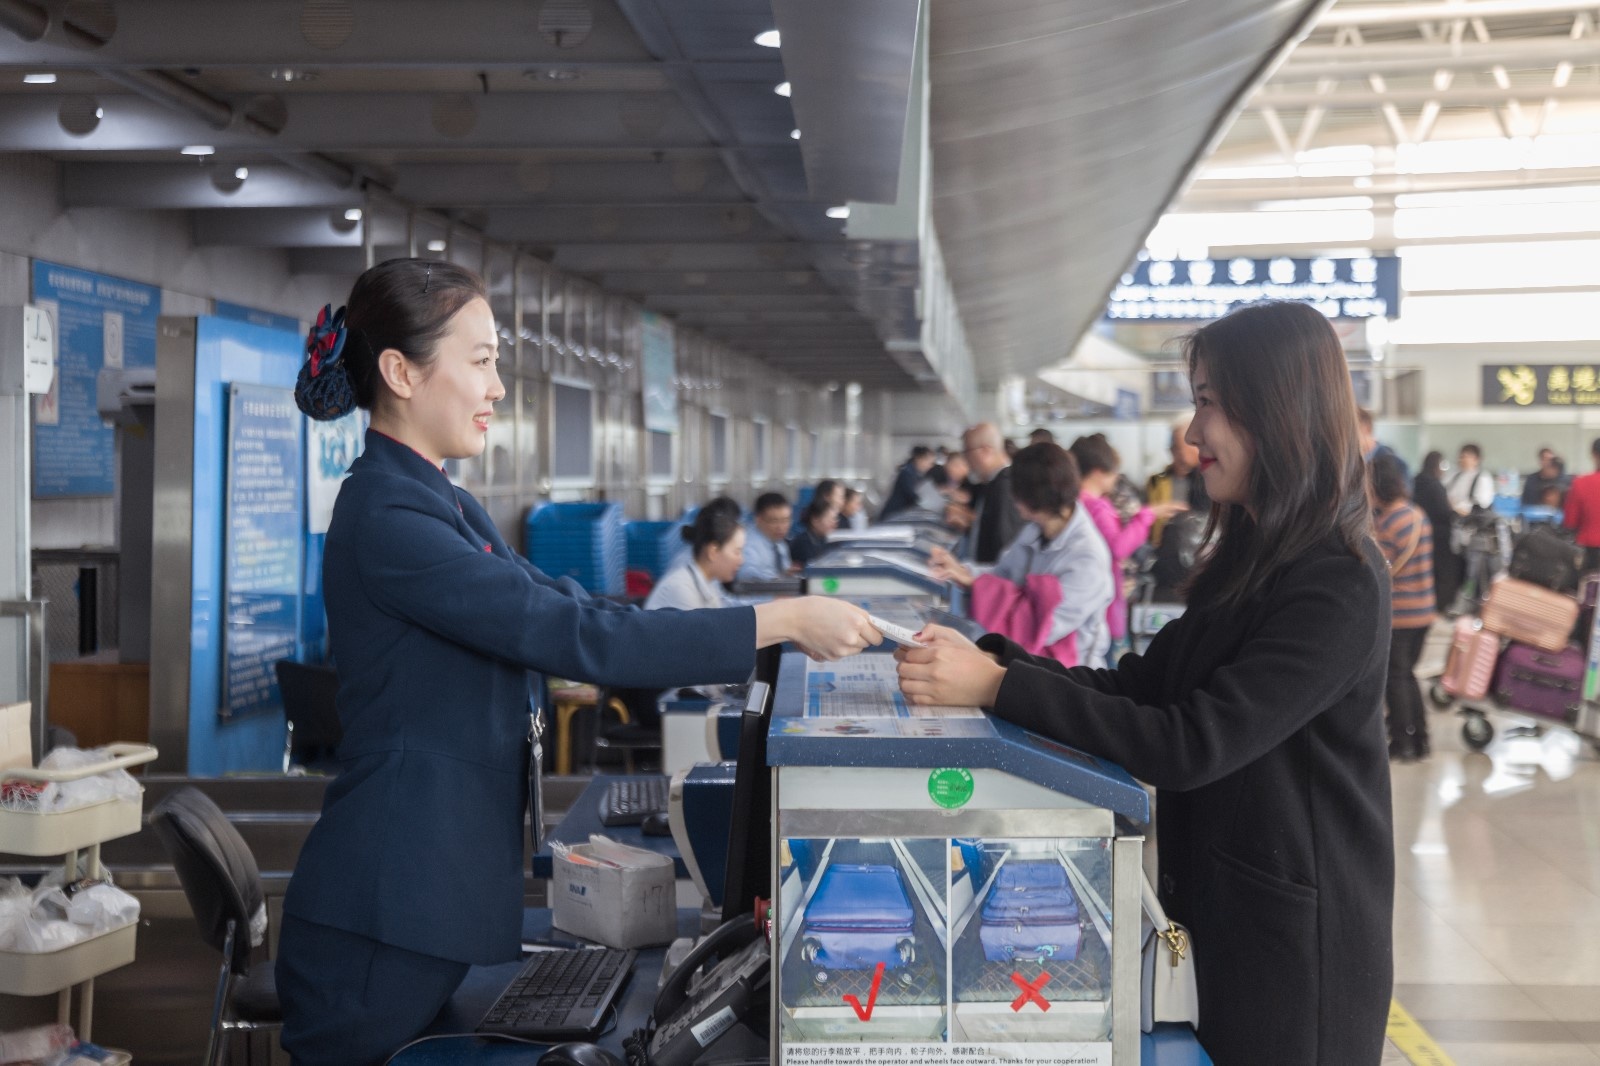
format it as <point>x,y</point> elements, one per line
<point>799,738</point>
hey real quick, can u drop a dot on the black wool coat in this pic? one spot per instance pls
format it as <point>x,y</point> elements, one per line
<point>1262,730</point>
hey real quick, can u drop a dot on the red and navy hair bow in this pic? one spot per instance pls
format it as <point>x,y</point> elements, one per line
<point>323,389</point>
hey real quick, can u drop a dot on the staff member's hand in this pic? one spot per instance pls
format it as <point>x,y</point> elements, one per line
<point>949,672</point>
<point>823,627</point>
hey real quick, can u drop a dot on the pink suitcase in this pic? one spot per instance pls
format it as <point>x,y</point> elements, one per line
<point>1529,614</point>
<point>1470,668</point>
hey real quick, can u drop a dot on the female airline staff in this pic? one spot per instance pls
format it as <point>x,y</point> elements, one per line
<point>716,545</point>
<point>412,873</point>
<point>1257,714</point>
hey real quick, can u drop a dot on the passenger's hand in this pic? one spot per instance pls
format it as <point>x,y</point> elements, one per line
<point>826,628</point>
<point>959,516</point>
<point>1164,511</point>
<point>943,637</point>
<point>946,567</point>
<point>947,675</point>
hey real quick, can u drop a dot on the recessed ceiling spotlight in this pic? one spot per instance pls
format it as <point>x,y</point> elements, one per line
<point>437,245</point>
<point>794,135</point>
<point>38,79</point>
<point>352,214</point>
<point>782,88</point>
<point>99,112</point>
<point>195,149</point>
<point>769,39</point>
<point>839,212</point>
<point>241,173</point>
<point>291,74</point>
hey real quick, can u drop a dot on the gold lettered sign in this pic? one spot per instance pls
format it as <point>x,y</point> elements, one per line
<point>1541,385</point>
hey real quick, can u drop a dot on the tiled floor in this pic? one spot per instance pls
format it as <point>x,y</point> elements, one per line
<point>1497,896</point>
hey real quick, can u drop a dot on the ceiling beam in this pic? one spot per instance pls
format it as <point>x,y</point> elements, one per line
<point>606,258</point>
<point>1357,61</point>
<point>1455,95</point>
<point>272,33</point>
<point>682,223</point>
<point>293,227</point>
<point>757,283</point>
<point>1389,14</point>
<point>193,185</point>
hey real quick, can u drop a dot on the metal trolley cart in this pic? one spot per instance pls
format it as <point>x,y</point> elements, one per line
<point>945,880</point>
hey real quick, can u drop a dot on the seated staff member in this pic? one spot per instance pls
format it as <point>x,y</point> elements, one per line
<point>413,871</point>
<point>818,520</point>
<point>853,515</point>
<point>716,548</point>
<point>1257,714</point>
<point>1050,590</point>
<point>766,549</point>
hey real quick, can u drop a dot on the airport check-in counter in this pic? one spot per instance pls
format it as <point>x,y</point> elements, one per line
<point>878,572</point>
<point>945,880</point>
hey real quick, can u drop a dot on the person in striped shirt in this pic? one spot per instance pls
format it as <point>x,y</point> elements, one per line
<point>1406,539</point>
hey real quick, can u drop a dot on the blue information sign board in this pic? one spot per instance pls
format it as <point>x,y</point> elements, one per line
<point>241,313</point>
<point>1203,289</point>
<point>100,321</point>
<point>262,544</point>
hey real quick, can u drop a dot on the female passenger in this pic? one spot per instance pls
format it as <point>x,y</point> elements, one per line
<point>413,872</point>
<point>1049,590</point>
<point>1099,464</point>
<point>1405,536</point>
<point>716,545</point>
<point>1257,714</point>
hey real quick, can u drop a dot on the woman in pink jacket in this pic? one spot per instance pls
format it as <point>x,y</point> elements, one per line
<point>1098,464</point>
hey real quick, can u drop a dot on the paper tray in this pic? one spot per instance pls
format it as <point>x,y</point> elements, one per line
<point>58,832</point>
<point>38,974</point>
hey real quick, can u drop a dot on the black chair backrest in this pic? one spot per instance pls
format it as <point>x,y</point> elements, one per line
<point>309,702</point>
<point>218,872</point>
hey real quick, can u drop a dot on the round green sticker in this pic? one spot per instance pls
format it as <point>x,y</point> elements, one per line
<point>950,788</point>
<point>830,585</point>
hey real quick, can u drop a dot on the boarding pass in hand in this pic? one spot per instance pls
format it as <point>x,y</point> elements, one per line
<point>898,634</point>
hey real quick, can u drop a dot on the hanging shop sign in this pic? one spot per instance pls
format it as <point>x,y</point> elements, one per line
<point>1204,289</point>
<point>1541,385</point>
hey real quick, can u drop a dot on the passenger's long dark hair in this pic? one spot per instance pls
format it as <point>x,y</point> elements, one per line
<point>1278,372</point>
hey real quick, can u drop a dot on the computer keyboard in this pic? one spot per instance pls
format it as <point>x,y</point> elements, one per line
<point>633,799</point>
<point>561,994</point>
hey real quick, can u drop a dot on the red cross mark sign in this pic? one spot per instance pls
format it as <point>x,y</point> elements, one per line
<point>1030,990</point>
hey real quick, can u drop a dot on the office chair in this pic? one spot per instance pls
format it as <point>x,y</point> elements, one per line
<point>630,723</point>
<point>223,885</point>
<point>309,706</point>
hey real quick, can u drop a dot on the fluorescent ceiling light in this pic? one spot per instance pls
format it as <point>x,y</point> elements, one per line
<point>38,79</point>
<point>241,173</point>
<point>352,214</point>
<point>436,245</point>
<point>782,88</point>
<point>769,39</point>
<point>794,135</point>
<point>839,212</point>
<point>195,149</point>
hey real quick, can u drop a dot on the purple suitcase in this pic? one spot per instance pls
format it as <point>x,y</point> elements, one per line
<point>1031,913</point>
<point>858,917</point>
<point>1544,683</point>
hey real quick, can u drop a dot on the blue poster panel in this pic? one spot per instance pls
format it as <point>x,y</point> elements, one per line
<point>1203,289</point>
<point>262,543</point>
<point>241,313</point>
<point>659,365</point>
<point>101,321</point>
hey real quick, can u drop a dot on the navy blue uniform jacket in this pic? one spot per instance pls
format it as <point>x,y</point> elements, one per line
<point>1262,729</point>
<point>435,625</point>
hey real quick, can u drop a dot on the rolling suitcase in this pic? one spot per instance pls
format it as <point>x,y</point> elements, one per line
<point>860,916</point>
<point>1031,913</point>
<point>1470,668</point>
<point>1543,556</point>
<point>1543,683</point>
<point>1529,614</point>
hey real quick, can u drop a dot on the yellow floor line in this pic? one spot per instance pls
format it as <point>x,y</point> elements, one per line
<point>1413,1040</point>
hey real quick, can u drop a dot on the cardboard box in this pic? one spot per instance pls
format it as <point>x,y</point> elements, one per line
<point>615,895</point>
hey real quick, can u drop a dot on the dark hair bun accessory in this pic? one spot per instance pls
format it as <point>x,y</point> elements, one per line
<point>323,389</point>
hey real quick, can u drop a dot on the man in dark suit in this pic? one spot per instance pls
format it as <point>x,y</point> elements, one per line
<point>992,522</point>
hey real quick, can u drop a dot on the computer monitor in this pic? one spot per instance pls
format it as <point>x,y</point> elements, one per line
<point>749,869</point>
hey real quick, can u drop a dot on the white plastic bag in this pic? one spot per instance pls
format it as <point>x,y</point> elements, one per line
<point>114,784</point>
<point>102,908</point>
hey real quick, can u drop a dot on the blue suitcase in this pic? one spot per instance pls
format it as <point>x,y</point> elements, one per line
<point>1031,913</point>
<point>860,916</point>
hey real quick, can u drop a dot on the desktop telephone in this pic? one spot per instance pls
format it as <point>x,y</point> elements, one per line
<point>723,1019</point>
